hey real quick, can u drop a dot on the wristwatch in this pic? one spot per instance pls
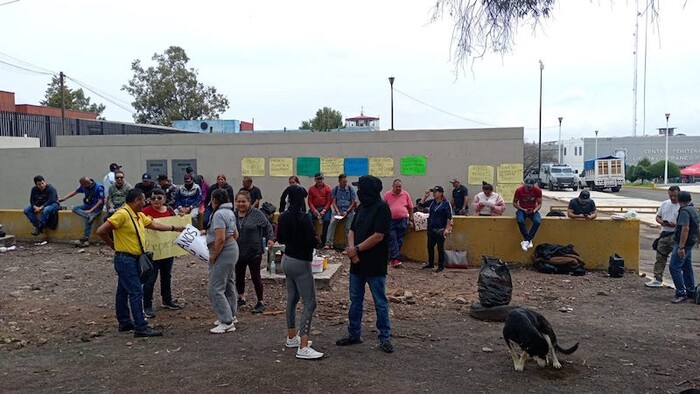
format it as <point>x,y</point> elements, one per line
<point>357,248</point>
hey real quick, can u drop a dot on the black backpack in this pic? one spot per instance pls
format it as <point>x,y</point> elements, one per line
<point>616,266</point>
<point>268,208</point>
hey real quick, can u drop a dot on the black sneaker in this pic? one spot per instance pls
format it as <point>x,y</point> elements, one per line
<point>259,308</point>
<point>240,302</point>
<point>428,266</point>
<point>37,231</point>
<point>172,305</point>
<point>386,346</point>
<point>126,328</point>
<point>440,269</point>
<point>148,311</point>
<point>150,332</point>
<point>83,242</point>
<point>348,340</point>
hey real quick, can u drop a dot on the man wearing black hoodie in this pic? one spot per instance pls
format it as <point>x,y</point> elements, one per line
<point>368,250</point>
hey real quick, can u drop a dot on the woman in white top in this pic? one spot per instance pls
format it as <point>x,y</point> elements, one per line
<point>488,202</point>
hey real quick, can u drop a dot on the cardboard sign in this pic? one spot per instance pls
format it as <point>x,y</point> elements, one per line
<point>161,242</point>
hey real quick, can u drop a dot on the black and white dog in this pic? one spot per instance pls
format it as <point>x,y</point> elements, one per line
<point>535,336</point>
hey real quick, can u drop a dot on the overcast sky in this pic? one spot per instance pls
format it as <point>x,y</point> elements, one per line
<point>279,61</point>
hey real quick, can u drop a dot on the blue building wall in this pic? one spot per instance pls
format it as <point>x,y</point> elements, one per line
<point>228,126</point>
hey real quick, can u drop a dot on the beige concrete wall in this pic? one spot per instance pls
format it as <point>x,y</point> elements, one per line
<point>449,152</point>
<point>19,142</point>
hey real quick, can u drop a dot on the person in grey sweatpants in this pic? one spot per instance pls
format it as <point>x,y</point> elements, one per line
<point>223,254</point>
<point>297,233</point>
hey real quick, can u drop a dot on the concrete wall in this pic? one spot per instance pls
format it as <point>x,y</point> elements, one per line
<point>682,150</point>
<point>492,236</point>
<point>19,142</point>
<point>449,152</point>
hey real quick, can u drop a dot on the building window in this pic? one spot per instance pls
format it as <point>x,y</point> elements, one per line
<point>564,151</point>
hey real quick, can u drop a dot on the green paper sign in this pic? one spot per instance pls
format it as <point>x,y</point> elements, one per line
<point>308,166</point>
<point>413,165</point>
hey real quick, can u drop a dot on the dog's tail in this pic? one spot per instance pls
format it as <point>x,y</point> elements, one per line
<point>566,351</point>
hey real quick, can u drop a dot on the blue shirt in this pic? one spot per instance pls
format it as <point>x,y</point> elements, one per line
<point>93,194</point>
<point>343,197</point>
<point>440,213</point>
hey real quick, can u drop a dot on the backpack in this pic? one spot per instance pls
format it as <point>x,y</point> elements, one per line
<point>616,266</point>
<point>268,209</point>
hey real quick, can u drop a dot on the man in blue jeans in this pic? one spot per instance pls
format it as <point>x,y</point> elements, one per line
<point>527,201</point>
<point>92,205</point>
<point>343,200</point>
<point>686,236</point>
<point>368,250</point>
<point>43,202</point>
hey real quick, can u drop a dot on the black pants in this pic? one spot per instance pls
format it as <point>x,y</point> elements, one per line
<point>165,267</point>
<point>436,239</point>
<point>254,263</point>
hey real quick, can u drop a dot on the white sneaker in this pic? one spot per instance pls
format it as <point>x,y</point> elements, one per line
<point>530,245</point>
<point>523,245</point>
<point>235,320</point>
<point>654,283</point>
<point>307,353</point>
<point>223,328</point>
<point>294,342</point>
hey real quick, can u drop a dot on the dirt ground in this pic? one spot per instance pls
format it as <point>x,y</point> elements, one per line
<point>58,334</point>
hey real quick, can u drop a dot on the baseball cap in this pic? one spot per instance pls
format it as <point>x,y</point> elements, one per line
<point>162,177</point>
<point>454,180</point>
<point>114,166</point>
<point>529,181</point>
<point>684,197</point>
<point>319,176</point>
<point>188,177</point>
<point>146,176</point>
<point>584,195</point>
<point>188,170</point>
<point>438,188</point>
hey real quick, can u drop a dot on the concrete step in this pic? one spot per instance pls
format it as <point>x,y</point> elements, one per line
<point>323,280</point>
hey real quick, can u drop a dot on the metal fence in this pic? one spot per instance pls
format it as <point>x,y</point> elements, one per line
<point>46,128</point>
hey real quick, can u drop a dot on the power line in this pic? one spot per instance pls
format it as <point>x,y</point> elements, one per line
<point>129,110</point>
<point>25,69</point>
<point>102,92</point>
<point>443,111</point>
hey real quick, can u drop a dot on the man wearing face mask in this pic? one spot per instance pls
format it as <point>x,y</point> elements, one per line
<point>368,250</point>
<point>188,198</point>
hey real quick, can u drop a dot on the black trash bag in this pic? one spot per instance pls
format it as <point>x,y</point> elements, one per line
<point>495,285</point>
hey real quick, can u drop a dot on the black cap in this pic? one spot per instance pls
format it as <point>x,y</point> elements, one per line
<point>684,197</point>
<point>319,176</point>
<point>584,195</point>
<point>114,166</point>
<point>188,170</point>
<point>146,176</point>
<point>369,182</point>
<point>438,188</point>
<point>529,181</point>
<point>162,177</point>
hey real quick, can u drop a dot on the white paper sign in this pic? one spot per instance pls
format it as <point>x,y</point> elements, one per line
<point>195,244</point>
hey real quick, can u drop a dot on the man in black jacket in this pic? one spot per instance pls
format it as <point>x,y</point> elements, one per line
<point>368,250</point>
<point>43,201</point>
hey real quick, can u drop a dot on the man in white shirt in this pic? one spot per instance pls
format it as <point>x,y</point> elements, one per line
<point>109,178</point>
<point>666,217</point>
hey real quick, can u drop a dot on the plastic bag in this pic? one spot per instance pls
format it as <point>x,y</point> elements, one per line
<point>495,285</point>
<point>190,240</point>
<point>456,258</point>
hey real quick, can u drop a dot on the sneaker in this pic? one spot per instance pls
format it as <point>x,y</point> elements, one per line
<point>223,328</point>
<point>428,266</point>
<point>172,305</point>
<point>37,231</point>
<point>348,340</point>
<point>440,269</point>
<point>294,342</point>
<point>523,245</point>
<point>240,302</point>
<point>259,308</point>
<point>386,346</point>
<point>654,283</point>
<point>395,263</point>
<point>530,245</point>
<point>307,353</point>
<point>148,311</point>
<point>150,332</point>
<point>235,320</point>
<point>327,246</point>
<point>678,300</point>
<point>128,327</point>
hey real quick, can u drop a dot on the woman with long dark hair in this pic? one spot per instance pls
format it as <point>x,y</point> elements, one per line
<point>223,254</point>
<point>297,233</point>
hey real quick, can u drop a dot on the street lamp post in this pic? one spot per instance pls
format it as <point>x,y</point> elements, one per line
<point>391,83</point>
<point>560,119</point>
<point>539,149</point>
<point>666,161</point>
<point>596,144</point>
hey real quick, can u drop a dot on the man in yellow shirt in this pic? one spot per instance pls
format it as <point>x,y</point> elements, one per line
<point>123,224</point>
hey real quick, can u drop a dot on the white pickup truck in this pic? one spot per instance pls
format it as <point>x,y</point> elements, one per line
<point>603,173</point>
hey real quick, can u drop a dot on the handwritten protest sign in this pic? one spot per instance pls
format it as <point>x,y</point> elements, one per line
<point>413,165</point>
<point>332,166</point>
<point>478,174</point>
<point>161,243</point>
<point>510,173</point>
<point>507,191</point>
<point>381,166</point>
<point>281,166</point>
<point>253,166</point>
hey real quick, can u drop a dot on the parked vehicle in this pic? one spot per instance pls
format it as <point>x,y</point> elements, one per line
<point>558,176</point>
<point>602,173</point>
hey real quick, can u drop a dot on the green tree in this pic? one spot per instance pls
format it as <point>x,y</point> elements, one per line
<point>645,162</point>
<point>656,170</point>
<point>326,119</point>
<point>531,155</point>
<point>170,91</point>
<point>630,173</point>
<point>74,99</point>
<point>642,173</point>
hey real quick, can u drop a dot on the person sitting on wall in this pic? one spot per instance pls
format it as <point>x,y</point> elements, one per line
<point>488,202</point>
<point>92,205</point>
<point>582,207</point>
<point>146,186</point>
<point>320,204</point>
<point>43,201</point>
<point>109,179</point>
<point>254,191</point>
<point>188,198</point>
<point>343,201</point>
<point>528,201</point>
<point>169,189</point>
<point>460,197</point>
<point>116,196</point>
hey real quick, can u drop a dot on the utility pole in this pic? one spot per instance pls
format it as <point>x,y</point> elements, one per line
<point>63,105</point>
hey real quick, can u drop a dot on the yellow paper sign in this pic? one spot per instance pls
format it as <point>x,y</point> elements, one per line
<point>253,166</point>
<point>507,191</point>
<point>381,166</point>
<point>161,243</point>
<point>478,174</point>
<point>332,166</point>
<point>510,173</point>
<point>281,166</point>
